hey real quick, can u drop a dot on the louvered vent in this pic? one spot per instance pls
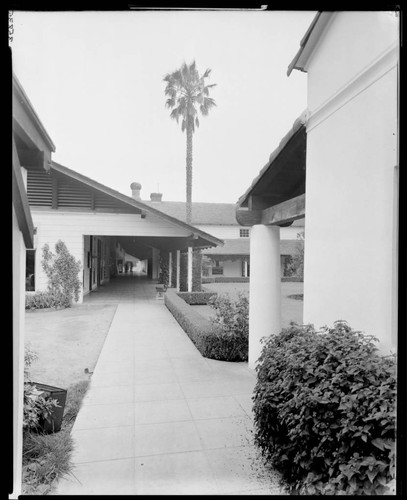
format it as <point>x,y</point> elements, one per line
<point>39,188</point>
<point>71,194</point>
<point>105,202</point>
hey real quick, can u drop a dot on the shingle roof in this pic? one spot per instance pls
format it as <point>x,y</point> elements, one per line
<point>202,213</point>
<point>242,247</point>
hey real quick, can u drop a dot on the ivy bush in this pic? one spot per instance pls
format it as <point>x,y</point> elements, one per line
<point>62,270</point>
<point>324,410</point>
<point>37,406</point>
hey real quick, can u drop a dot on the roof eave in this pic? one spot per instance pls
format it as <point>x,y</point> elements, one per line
<point>30,109</point>
<point>132,202</point>
<point>298,124</point>
<point>309,42</point>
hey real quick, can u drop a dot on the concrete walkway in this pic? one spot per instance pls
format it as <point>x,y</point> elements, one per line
<point>159,418</point>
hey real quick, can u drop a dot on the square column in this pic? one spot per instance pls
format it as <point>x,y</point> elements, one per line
<point>169,269</point>
<point>189,269</point>
<point>265,287</point>
<point>178,268</point>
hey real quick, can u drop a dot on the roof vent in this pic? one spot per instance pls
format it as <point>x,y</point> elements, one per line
<point>135,190</point>
<point>156,196</point>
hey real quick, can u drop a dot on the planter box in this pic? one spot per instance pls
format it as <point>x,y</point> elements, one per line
<point>56,418</point>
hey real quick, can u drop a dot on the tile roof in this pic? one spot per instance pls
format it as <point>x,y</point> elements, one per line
<point>202,213</point>
<point>242,247</point>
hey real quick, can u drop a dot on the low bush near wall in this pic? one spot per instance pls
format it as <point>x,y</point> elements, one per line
<point>45,300</point>
<point>211,341</point>
<point>293,279</point>
<point>196,298</point>
<point>324,407</point>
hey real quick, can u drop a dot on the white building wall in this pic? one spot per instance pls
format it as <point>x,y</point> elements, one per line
<point>71,226</point>
<point>337,60</point>
<point>18,265</point>
<point>222,232</point>
<point>232,269</point>
<point>349,270</point>
<point>233,232</point>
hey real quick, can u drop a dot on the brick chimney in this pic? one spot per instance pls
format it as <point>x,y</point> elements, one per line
<point>156,197</point>
<point>135,190</point>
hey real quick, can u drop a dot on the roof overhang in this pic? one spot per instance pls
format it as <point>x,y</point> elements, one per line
<point>196,237</point>
<point>309,41</point>
<point>32,140</point>
<point>20,202</point>
<point>284,174</point>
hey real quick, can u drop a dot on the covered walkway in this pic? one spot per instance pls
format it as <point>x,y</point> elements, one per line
<point>158,418</point>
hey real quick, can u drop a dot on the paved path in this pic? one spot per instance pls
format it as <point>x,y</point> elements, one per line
<point>159,418</point>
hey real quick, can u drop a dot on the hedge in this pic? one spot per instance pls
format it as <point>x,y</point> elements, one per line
<point>210,341</point>
<point>225,279</point>
<point>324,410</point>
<point>196,298</point>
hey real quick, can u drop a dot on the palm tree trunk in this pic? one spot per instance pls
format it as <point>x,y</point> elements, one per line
<point>189,176</point>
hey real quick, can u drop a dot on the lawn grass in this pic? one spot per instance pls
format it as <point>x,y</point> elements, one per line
<point>47,457</point>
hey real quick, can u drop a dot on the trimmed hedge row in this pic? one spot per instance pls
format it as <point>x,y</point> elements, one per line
<point>210,341</point>
<point>196,298</point>
<point>46,300</point>
<point>225,279</point>
<point>296,279</point>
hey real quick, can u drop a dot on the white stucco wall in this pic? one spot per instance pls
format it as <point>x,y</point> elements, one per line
<point>18,265</point>
<point>349,270</point>
<point>351,42</point>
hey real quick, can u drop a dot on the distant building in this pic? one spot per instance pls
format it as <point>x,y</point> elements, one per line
<point>232,260</point>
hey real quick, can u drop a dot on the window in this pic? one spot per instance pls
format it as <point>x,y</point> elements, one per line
<point>244,233</point>
<point>29,271</point>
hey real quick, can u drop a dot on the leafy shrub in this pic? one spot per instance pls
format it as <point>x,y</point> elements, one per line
<point>37,405</point>
<point>196,298</point>
<point>62,270</point>
<point>44,300</point>
<point>232,319</point>
<point>324,407</point>
<point>211,341</point>
<point>47,457</point>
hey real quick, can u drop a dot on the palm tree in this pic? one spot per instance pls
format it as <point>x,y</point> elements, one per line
<point>186,91</point>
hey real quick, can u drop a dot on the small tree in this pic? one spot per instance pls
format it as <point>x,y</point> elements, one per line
<point>296,265</point>
<point>62,270</point>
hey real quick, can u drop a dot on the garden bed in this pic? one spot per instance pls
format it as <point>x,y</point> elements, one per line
<point>210,340</point>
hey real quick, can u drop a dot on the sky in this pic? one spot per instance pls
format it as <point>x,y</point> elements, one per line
<point>95,80</point>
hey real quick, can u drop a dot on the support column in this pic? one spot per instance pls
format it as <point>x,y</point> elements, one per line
<point>245,268</point>
<point>156,264</point>
<point>178,269</point>
<point>265,287</point>
<point>189,269</point>
<point>169,269</point>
